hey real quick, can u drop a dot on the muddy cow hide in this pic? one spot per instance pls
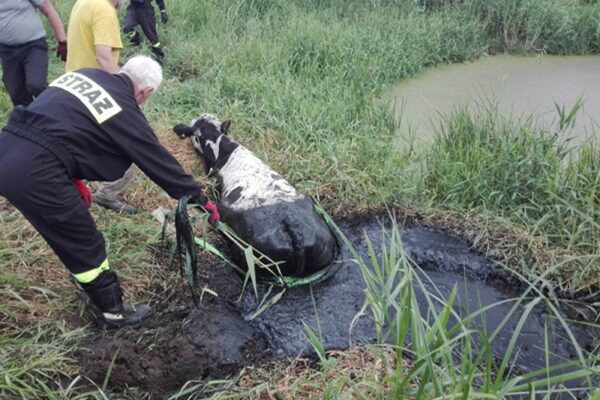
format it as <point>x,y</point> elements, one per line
<point>258,204</point>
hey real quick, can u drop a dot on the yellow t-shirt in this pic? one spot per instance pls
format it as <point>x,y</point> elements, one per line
<point>92,22</point>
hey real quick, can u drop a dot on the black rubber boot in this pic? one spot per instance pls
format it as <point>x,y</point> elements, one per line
<point>158,52</point>
<point>105,293</point>
<point>134,38</point>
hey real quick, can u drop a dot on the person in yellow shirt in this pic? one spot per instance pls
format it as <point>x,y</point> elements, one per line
<point>93,36</point>
<point>94,41</point>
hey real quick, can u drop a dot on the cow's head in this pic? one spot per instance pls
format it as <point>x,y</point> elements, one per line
<point>207,134</point>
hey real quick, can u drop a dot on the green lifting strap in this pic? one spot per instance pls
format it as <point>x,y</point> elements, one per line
<point>281,281</point>
<point>88,276</point>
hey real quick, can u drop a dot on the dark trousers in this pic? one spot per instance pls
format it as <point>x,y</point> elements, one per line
<point>141,14</point>
<point>25,70</point>
<point>34,181</point>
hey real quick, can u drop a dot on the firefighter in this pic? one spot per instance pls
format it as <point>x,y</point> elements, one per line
<point>87,125</point>
<point>141,12</point>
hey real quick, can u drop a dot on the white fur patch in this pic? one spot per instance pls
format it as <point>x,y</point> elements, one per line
<point>258,182</point>
<point>196,143</point>
<point>215,146</point>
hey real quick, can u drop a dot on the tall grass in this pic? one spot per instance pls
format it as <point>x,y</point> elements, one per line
<point>541,26</point>
<point>451,356</point>
<point>525,174</point>
<point>34,362</point>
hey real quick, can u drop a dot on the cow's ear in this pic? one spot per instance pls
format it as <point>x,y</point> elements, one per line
<point>183,130</point>
<point>225,127</point>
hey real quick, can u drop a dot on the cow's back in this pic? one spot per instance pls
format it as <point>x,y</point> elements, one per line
<point>289,230</point>
<point>246,182</point>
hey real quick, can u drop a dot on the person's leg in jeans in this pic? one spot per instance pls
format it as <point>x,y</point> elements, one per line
<point>36,67</point>
<point>25,70</point>
<point>13,75</point>
<point>109,193</point>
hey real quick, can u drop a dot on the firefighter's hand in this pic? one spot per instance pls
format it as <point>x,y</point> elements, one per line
<point>164,17</point>
<point>214,212</point>
<point>84,191</point>
<point>61,50</point>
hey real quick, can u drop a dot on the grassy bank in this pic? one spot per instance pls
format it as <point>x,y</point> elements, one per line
<point>298,80</point>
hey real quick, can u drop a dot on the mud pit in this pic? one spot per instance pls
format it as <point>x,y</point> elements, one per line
<point>182,343</point>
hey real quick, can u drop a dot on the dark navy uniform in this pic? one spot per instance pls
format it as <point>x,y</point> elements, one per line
<point>141,12</point>
<point>86,125</point>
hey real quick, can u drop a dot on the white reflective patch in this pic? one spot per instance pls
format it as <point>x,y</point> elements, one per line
<point>93,96</point>
<point>113,317</point>
<point>260,185</point>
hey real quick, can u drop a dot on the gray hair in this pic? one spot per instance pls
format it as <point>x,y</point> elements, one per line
<point>144,72</point>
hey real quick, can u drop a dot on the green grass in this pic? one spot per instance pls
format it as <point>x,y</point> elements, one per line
<point>31,361</point>
<point>529,176</point>
<point>298,79</point>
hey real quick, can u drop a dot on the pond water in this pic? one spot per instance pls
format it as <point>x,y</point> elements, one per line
<point>517,86</point>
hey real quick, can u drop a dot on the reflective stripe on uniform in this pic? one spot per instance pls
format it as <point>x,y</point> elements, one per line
<point>88,276</point>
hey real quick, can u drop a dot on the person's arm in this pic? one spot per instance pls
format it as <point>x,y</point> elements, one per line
<point>160,4</point>
<point>164,17</point>
<point>134,136</point>
<point>54,20</point>
<point>105,59</point>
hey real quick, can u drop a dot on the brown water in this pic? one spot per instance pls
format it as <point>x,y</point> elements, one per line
<point>518,86</point>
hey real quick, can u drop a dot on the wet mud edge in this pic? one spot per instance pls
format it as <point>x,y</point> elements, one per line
<point>181,342</point>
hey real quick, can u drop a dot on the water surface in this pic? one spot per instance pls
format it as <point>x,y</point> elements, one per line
<point>518,86</point>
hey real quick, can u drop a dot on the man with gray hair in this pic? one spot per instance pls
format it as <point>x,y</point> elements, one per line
<point>87,125</point>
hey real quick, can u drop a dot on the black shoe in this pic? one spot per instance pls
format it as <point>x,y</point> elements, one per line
<point>128,315</point>
<point>159,54</point>
<point>105,293</point>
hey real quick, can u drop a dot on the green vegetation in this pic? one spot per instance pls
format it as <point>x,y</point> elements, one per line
<point>530,177</point>
<point>298,79</point>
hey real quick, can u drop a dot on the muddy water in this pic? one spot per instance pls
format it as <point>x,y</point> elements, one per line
<point>518,86</point>
<point>445,262</point>
<point>181,343</point>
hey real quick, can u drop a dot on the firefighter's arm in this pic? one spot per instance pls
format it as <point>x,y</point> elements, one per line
<point>131,132</point>
<point>164,17</point>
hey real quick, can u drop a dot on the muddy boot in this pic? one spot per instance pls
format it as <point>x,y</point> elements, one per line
<point>105,293</point>
<point>158,52</point>
<point>114,204</point>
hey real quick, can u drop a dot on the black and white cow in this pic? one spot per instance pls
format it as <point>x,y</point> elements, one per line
<point>258,204</point>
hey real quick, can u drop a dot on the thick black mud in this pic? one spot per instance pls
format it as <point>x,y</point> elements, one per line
<point>445,262</point>
<point>182,343</point>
